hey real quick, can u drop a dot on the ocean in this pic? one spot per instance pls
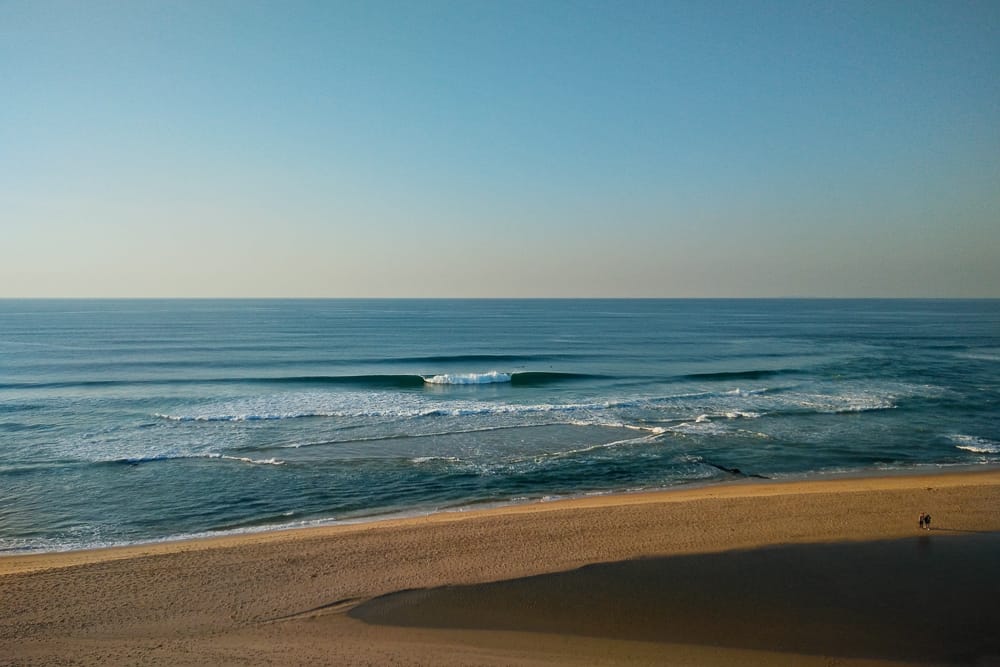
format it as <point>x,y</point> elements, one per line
<point>134,421</point>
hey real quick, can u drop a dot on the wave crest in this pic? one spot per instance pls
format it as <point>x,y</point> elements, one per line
<point>159,458</point>
<point>491,377</point>
<point>972,443</point>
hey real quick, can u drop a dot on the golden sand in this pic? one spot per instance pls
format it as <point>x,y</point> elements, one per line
<point>331,595</point>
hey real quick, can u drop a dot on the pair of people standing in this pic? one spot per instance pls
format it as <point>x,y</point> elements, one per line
<point>925,521</point>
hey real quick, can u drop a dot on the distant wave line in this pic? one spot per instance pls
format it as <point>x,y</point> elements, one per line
<point>739,375</point>
<point>471,358</point>
<point>748,404</point>
<point>384,381</point>
<point>158,458</point>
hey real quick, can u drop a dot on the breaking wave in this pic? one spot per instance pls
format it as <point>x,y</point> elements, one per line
<point>154,458</point>
<point>526,378</point>
<point>729,405</point>
<point>972,443</point>
<point>470,378</point>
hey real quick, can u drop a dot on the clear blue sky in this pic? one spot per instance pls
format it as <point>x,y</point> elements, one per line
<point>499,148</point>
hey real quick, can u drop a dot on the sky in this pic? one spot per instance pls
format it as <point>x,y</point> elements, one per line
<point>499,149</point>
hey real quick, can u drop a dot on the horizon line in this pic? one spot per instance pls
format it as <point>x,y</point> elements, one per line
<point>499,298</point>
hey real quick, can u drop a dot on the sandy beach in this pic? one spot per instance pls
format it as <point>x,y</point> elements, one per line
<point>832,571</point>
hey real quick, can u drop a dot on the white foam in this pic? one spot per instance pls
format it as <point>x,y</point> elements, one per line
<point>754,434</point>
<point>365,405</point>
<point>980,356</point>
<point>427,459</point>
<point>353,408</point>
<point>844,403</point>
<point>740,414</point>
<point>244,459</point>
<point>699,426</point>
<point>972,443</point>
<point>149,458</point>
<point>491,377</point>
<point>244,417</point>
<point>654,430</point>
<point>744,393</point>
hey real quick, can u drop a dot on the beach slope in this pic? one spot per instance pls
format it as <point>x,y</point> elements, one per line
<point>754,572</point>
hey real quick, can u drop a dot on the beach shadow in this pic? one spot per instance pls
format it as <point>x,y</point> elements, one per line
<point>852,600</point>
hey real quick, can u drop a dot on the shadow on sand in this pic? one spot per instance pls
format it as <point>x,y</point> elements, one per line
<point>918,599</point>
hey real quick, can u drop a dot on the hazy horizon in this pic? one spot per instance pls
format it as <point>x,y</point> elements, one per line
<point>500,150</point>
<point>498,298</point>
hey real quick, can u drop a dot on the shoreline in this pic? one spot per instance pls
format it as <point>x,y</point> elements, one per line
<point>739,485</point>
<point>300,596</point>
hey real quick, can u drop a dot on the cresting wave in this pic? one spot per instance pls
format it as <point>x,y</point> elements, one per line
<point>492,377</point>
<point>975,444</point>
<point>175,457</point>
<point>525,378</point>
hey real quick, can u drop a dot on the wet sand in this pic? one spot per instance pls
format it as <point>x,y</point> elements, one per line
<point>743,573</point>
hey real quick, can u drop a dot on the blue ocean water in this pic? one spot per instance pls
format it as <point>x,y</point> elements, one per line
<point>126,421</point>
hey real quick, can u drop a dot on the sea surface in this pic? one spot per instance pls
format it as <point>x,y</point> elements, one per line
<point>134,421</point>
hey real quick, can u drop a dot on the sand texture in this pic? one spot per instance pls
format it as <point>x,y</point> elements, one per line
<point>819,572</point>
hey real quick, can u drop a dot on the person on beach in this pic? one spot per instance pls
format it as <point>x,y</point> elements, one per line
<point>920,521</point>
<point>927,522</point>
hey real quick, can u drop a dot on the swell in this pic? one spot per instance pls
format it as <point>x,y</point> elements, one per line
<point>373,381</point>
<point>473,358</point>
<point>530,378</point>
<point>739,375</point>
<point>400,381</point>
<point>527,378</point>
<point>50,466</point>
